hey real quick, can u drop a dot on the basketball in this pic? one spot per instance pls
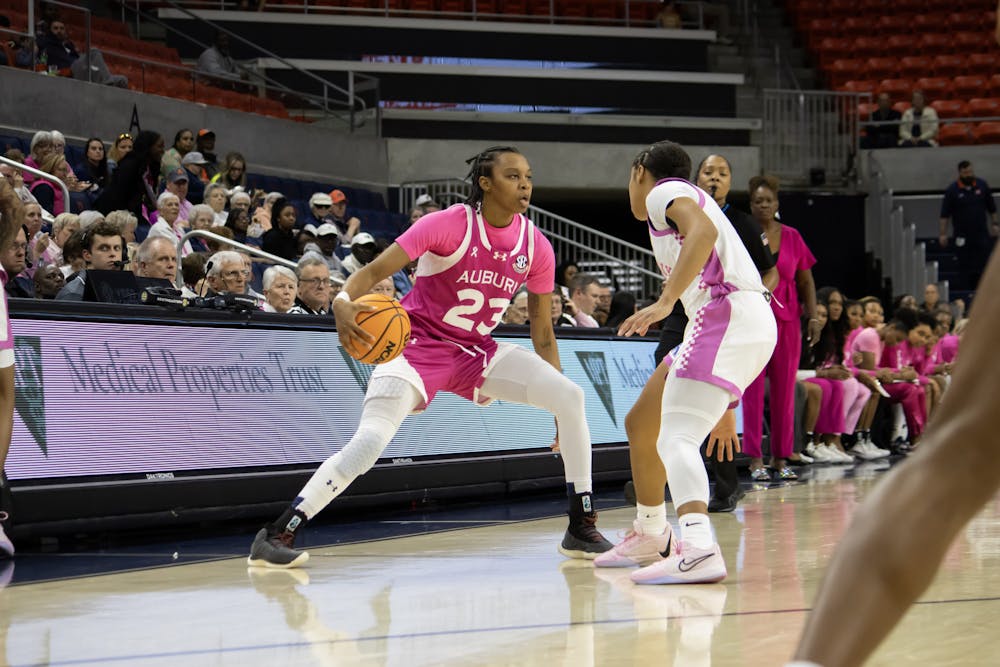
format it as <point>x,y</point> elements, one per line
<point>388,324</point>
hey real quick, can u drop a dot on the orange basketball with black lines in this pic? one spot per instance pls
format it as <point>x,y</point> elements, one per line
<point>388,324</point>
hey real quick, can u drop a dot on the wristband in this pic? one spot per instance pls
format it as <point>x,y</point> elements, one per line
<point>342,295</point>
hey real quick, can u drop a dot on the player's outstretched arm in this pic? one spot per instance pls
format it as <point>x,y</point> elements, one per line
<point>543,335</point>
<point>359,283</point>
<point>900,534</point>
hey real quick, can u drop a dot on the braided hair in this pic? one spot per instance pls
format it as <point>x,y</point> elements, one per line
<point>664,159</point>
<point>482,165</point>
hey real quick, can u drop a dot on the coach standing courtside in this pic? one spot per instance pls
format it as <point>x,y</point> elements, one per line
<point>967,203</point>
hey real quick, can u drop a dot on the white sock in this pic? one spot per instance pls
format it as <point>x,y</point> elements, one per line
<point>696,530</point>
<point>652,518</point>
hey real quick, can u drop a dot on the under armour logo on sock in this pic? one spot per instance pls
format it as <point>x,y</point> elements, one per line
<point>333,489</point>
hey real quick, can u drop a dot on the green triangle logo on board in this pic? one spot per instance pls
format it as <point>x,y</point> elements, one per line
<point>596,368</point>
<point>29,388</point>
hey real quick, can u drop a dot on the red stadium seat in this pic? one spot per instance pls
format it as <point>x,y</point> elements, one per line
<point>933,44</point>
<point>973,42</point>
<point>880,68</point>
<point>934,88</point>
<point>969,86</point>
<point>843,71</point>
<point>449,6</point>
<point>929,22</point>
<point>958,21</point>
<point>901,106</point>
<point>955,134</point>
<point>892,25</point>
<point>861,87</point>
<point>949,108</point>
<point>948,65</point>
<point>855,25</point>
<point>898,89</point>
<point>866,109</point>
<point>821,28</point>
<point>994,85</point>
<point>868,47</point>
<point>833,48</point>
<point>983,64</point>
<point>983,107</point>
<point>986,133</point>
<point>915,66</point>
<point>898,45</point>
<point>841,9</point>
<point>605,10</point>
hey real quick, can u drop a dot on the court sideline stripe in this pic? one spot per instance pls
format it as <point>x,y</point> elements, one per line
<point>443,633</point>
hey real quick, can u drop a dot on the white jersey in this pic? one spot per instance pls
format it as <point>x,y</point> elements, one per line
<point>728,269</point>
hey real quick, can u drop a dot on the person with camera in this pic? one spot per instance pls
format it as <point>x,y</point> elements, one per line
<point>102,251</point>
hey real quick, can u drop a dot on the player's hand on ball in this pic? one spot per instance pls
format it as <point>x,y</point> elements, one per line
<point>645,318</point>
<point>723,441</point>
<point>351,335</point>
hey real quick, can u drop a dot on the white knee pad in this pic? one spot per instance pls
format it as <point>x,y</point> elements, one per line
<point>690,411</point>
<point>387,403</point>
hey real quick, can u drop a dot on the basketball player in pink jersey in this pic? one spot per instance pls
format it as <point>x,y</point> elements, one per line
<point>728,341</point>
<point>473,257</point>
<point>11,220</point>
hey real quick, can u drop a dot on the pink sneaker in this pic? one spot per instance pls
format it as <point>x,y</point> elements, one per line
<point>685,565</point>
<point>637,549</point>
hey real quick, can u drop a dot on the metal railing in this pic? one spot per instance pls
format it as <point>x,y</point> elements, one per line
<point>811,133</point>
<point>626,264</point>
<point>623,15</point>
<point>893,240</point>
<point>349,101</point>
<point>249,249</point>
<point>40,174</point>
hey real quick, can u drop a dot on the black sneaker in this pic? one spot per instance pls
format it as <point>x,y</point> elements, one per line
<point>582,539</point>
<point>716,505</point>
<point>630,497</point>
<point>273,549</point>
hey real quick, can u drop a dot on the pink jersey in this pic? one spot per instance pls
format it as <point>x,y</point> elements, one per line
<point>468,271</point>
<point>868,340</point>
<point>947,348</point>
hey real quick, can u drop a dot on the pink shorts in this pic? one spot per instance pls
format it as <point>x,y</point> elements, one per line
<point>432,365</point>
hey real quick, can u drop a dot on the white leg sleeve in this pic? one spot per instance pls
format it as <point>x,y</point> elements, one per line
<point>521,376</point>
<point>691,409</point>
<point>388,401</point>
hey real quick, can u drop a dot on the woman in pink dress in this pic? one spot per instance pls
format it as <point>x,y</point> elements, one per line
<point>796,291</point>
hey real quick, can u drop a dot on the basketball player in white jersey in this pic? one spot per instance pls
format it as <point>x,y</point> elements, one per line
<point>473,257</point>
<point>728,341</point>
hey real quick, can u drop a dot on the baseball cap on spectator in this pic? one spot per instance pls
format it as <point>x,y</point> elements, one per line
<point>204,132</point>
<point>326,229</point>
<point>194,157</point>
<point>362,239</point>
<point>423,200</point>
<point>320,199</point>
<point>310,229</point>
<point>337,196</point>
<point>178,174</point>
